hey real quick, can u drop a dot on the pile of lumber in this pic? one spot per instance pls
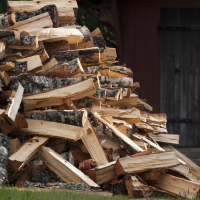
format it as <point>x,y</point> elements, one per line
<point>70,117</point>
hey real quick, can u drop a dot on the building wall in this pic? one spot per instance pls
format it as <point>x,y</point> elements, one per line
<point>138,41</point>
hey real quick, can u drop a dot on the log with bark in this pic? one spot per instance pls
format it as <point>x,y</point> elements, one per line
<point>7,21</point>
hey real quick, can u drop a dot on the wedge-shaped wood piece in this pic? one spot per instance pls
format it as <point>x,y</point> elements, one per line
<point>33,63</point>
<point>111,53</point>
<point>4,79</point>
<point>194,169</point>
<point>124,138</point>
<point>4,66</point>
<point>136,189</point>
<point>51,129</point>
<point>65,170</point>
<point>26,152</point>
<point>14,104</point>
<point>117,81</point>
<point>166,138</point>
<point>91,142</point>
<point>14,146</point>
<point>179,186</point>
<point>78,90</point>
<point>2,49</point>
<point>71,35</point>
<point>146,105</point>
<point>136,164</point>
<point>43,20</point>
<point>103,173</point>
<point>130,115</point>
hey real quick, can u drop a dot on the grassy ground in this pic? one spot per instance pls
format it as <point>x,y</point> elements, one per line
<point>29,194</point>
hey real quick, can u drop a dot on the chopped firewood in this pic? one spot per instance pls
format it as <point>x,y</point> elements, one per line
<point>63,168</point>
<point>108,118</point>
<point>111,53</point>
<point>2,49</point>
<point>4,66</point>
<point>136,189</point>
<point>127,140</point>
<point>26,152</point>
<point>43,54</point>
<point>87,165</point>
<point>71,35</point>
<point>56,46</point>
<point>136,164</point>
<point>57,144</point>
<point>14,104</point>
<point>4,79</point>
<point>103,173</point>
<point>6,128</point>
<point>14,146</point>
<point>121,127</point>
<point>181,169</point>
<point>129,115</point>
<point>179,186</point>
<point>7,21</point>
<point>147,106</point>
<point>20,122</point>
<point>166,138</point>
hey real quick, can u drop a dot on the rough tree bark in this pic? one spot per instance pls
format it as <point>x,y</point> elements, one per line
<point>25,40</point>
<point>4,153</point>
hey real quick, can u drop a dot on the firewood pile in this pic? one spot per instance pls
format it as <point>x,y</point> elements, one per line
<point>70,117</point>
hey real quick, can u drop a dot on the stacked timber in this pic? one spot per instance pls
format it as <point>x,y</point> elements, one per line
<point>71,116</point>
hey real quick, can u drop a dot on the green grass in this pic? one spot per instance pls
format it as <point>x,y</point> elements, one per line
<point>30,194</point>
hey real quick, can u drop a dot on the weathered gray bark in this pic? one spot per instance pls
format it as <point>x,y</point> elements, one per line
<point>100,93</point>
<point>6,21</point>
<point>51,9</point>
<point>111,93</point>
<point>99,42</point>
<point>52,47</point>
<point>20,67</point>
<point>25,40</point>
<point>91,70</point>
<point>71,117</point>
<point>62,71</point>
<point>4,154</point>
<point>86,33</point>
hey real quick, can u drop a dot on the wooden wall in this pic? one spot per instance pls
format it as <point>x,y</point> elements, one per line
<point>138,40</point>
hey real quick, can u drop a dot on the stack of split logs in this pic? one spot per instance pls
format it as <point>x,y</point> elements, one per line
<point>70,117</point>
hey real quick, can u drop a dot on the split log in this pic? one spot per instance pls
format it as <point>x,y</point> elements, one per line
<point>120,135</point>
<point>4,79</point>
<point>181,169</point>
<point>42,21</point>
<point>14,104</point>
<point>12,57</point>
<point>14,146</point>
<point>129,115</point>
<point>63,168</point>
<point>82,45</point>
<point>46,98</point>
<point>4,153</point>
<point>43,54</point>
<point>166,138</point>
<point>20,67</point>
<point>6,128</point>
<point>51,9</point>
<point>96,32</point>
<point>117,81</point>
<point>136,189</point>
<point>103,173</point>
<point>179,186</point>
<point>69,69</point>
<point>86,56</point>
<point>26,152</point>
<point>27,42</point>
<point>137,164</point>
<point>7,21</point>
<point>2,49</point>
<point>111,53</point>
<point>71,35</point>
<point>147,106</point>
<point>99,42</point>
<point>87,165</point>
<point>4,66</point>
<point>52,47</point>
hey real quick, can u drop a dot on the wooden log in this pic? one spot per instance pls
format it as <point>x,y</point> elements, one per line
<point>166,138</point>
<point>20,122</point>
<point>87,56</point>
<point>120,135</point>
<point>147,106</point>
<point>69,69</point>
<point>71,35</point>
<point>52,47</point>
<point>111,53</point>
<point>2,49</point>
<point>181,169</point>
<point>6,128</point>
<point>179,186</point>
<point>137,164</point>
<point>51,9</point>
<point>14,104</point>
<point>7,21</point>
<point>82,45</point>
<point>26,152</point>
<point>43,55</point>
<point>4,79</point>
<point>136,189</point>
<point>129,115</point>
<point>14,146</point>
<point>103,173</point>
<point>96,32</point>
<point>4,66</point>
<point>4,153</point>
<point>92,143</point>
<point>63,168</point>
<point>20,68</point>
<point>78,90</point>
<point>117,81</point>
<point>12,57</point>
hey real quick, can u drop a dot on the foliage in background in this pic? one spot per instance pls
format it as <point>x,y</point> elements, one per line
<point>3,6</point>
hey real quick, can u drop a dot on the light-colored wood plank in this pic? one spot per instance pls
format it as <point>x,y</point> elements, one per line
<point>6,66</point>
<point>111,53</point>
<point>166,138</point>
